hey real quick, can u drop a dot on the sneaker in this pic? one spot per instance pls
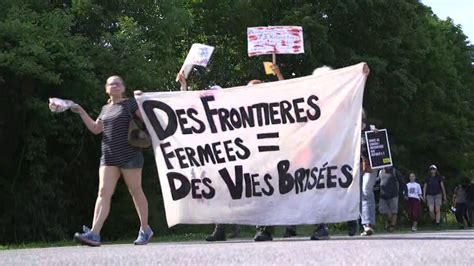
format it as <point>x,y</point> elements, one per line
<point>263,235</point>
<point>461,226</point>
<point>289,233</point>
<point>438,226</point>
<point>320,233</point>
<point>218,234</point>
<point>144,237</point>
<point>87,237</point>
<point>352,228</point>
<point>413,229</point>
<point>368,231</point>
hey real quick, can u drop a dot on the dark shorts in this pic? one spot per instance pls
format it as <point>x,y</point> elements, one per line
<point>136,162</point>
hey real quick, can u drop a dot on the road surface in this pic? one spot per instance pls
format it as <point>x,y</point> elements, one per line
<point>430,248</point>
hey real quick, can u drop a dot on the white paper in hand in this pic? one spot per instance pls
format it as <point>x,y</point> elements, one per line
<point>199,55</point>
<point>57,105</point>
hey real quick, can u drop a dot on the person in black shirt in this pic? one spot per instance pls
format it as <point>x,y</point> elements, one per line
<point>434,193</point>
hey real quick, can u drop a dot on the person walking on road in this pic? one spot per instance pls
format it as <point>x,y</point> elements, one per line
<point>434,193</point>
<point>118,158</point>
<point>368,179</point>
<point>460,203</point>
<point>415,195</point>
<point>391,182</point>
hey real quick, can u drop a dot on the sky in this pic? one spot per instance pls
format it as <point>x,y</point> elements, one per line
<point>460,11</point>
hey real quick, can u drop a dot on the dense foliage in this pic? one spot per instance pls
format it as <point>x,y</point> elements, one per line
<point>421,88</point>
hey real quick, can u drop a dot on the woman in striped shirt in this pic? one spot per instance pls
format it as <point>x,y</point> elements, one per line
<point>118,158</point>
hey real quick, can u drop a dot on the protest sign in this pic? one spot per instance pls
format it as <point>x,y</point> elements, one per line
<point>268,68</point>
<point>276,153</point>
<point>199,55</point>
<point>275,39</point>
<point>379,149</point>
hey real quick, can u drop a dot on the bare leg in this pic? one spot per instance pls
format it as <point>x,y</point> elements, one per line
<point>432,211</point>
<point>438,214</point>
<point>393,220</point>
<point>108,177</point>
<point>133,179</point>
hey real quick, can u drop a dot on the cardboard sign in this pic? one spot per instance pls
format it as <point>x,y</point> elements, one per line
<point>268,68</point>
<point>379,149</point>
<point>285,153</point>
<point>278,39</point>
<point>199,55</point>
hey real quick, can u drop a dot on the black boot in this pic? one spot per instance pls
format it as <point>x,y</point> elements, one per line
<point>218,234</point>
<point>352,228</point>
<point>263,234</point>
<point>236,232</point>
<point>290,231</point>
<point>320,233</point>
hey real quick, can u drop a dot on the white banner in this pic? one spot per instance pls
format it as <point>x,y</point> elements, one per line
<point>276,153</point>
<point>278,39</point>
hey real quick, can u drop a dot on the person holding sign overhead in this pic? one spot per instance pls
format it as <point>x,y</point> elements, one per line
<point>219,229</point>
<point>264,233</point>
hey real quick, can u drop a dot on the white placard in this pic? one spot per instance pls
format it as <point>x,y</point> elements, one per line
<point>278,39</point>
<point>199,55</point>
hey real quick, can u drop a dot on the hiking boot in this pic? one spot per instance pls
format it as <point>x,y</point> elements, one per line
<point>368,231</point>
<point>144,237</point>
<point>218,234</point>
<point>263,234</point>
<point>320,233</point>
<point>87,237</point>
<point>352,228</point>
<point>236,232</point>
<point>289,232</point>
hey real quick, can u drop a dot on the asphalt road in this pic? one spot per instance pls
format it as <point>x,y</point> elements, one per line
<point>434,248</point>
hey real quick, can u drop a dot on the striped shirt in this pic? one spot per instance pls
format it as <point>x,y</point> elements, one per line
<point>116,151</point>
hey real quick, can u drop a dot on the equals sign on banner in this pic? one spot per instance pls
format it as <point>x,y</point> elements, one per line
<point>274,135</point>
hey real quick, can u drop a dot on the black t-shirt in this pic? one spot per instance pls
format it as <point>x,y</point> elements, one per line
<point>433,185</point>
<point>470,192</point>
<point>364,152</point>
